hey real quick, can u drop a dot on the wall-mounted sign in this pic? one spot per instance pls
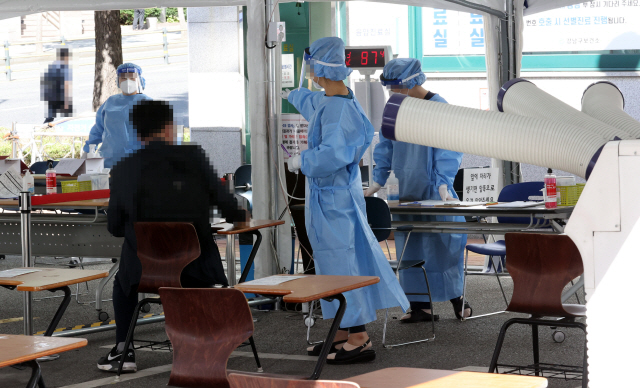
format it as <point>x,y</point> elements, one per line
<point>588,26</point>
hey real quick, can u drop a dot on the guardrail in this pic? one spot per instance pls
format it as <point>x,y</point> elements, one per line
<point>63,41</point>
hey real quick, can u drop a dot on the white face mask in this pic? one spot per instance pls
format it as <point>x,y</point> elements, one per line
<point>129,86</point>
<point>317,85</point>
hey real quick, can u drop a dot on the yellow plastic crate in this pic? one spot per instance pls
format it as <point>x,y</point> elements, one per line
<point>69,186</point>
<point>568,195</point>
<point>84,186</point>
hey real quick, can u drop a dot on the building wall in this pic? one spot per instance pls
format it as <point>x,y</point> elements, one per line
<point>216,91</point>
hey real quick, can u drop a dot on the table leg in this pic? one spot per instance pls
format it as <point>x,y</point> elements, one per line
<point>231,259</point>
<point>60,312</point>
<point>25,234</point>
<point>36,374</point>
<point>324,352</point>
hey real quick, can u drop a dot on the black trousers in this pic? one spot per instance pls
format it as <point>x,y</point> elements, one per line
<point>57,107</point>
<point>124,306</point>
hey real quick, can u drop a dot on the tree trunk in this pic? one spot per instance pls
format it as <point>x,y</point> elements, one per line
<point>183,24</point>
<point>108,56</point>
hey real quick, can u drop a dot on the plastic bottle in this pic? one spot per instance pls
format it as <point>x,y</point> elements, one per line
<point>27,182</point>
<point>393,188</point>
<point>51,179</point>
<point>550,199</point>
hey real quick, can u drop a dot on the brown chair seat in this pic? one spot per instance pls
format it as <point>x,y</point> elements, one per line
<point>541,265</point>
<point>261,381</point>
<point>270,375</point>
<point>205,325</point>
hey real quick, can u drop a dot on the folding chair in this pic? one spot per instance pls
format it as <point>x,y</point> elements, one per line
<point>379,218</point>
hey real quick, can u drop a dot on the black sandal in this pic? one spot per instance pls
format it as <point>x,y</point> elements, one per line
<point>318,348</point>
<point>457,307</point>
<point>356,355</point>
<point>420,316</point>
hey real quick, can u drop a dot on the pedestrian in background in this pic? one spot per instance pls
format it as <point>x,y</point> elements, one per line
<point>138,19</point>
<point>56,87</point>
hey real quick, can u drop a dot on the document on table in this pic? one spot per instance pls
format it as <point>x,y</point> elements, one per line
<point>517,204</point>
<point>273,280</point>
<point>12,273</point>
<point>10,184</point>
<point>435,203</point>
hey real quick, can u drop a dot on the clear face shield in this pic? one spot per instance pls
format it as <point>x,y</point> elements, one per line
<point>397,85</point>
<point>305,72</point>
<point>128,81</point>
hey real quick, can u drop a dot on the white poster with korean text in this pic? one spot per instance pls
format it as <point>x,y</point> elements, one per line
<point>588,26</point>
<point>480,185</point>
<point>288,74</point>
<point>446,32</point>
<point>379,24</point>
<point>295,130</point>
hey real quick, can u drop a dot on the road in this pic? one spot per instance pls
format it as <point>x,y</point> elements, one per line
<point>20,100</point>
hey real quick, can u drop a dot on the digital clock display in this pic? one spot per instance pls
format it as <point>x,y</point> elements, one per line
<point>368,58</point>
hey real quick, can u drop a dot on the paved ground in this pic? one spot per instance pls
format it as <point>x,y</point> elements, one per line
<point>280,338</point>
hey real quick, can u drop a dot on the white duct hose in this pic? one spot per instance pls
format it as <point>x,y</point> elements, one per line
<point>521,97</point>
<point>604,101</point>
<point>496,135</point>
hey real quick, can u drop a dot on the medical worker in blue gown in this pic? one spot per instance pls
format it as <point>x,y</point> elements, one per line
<point>336,221</point>
<point>113,127</point>
<point>423,173</point>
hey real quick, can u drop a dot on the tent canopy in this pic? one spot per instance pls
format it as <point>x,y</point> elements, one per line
<point>12,8</point>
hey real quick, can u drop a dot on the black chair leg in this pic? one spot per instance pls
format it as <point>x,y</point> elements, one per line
<point>132,328</point>
<point>255,353</point>
<point>496,352</point>
<point>536,348</point>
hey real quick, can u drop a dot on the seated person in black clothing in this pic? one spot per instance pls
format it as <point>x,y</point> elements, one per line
<point>162,182</point>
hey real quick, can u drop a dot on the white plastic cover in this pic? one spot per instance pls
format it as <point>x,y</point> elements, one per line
<point>496,135</point>
<point>605,102</point>
<point>526,99</point>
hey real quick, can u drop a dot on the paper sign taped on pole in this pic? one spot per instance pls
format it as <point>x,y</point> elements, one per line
<point>480,185</point>
<point>295,130</point>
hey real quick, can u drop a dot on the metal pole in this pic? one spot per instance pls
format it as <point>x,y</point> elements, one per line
<point>14,141</point>
<point>272,123</point>
<point>510,38</point>
<point>7,60</point>
<point>367,80</point>
<point>25,236</point>
<point>165,46</point>
<point>230,255</point>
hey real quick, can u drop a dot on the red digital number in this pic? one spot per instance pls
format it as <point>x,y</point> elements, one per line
<point>348,61</point>
<point>375,59</point>
<point>382,53</point>
<point>364,58</point>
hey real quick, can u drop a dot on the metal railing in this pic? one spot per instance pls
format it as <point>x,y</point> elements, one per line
<point>63,41</point>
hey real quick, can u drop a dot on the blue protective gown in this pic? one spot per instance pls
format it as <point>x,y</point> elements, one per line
<point>114,130</point>
<point>420,171</point>
<point>336,218</point>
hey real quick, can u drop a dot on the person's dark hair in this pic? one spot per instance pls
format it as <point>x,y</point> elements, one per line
<point>62,52</point>
<point>149,117</point>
